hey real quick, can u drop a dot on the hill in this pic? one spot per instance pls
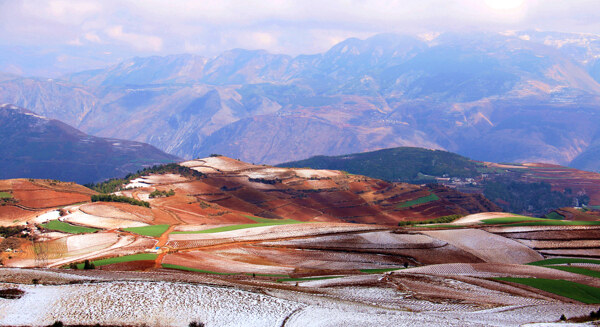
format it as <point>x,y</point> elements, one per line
<point>287,238</point>
<point>533,189</point>
<point>403,164</point>
<point>37,147</point>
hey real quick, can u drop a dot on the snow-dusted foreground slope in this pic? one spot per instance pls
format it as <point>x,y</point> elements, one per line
<point>178,304</point>
<point>137,303</point>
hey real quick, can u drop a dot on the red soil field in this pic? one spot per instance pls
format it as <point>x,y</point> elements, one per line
<point>38,195</point>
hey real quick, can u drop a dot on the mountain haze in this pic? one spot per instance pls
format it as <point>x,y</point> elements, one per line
<point>513,97</point>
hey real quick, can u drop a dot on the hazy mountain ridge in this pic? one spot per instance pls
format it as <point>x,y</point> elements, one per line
<point>37,147</point>
<point>529,96</point>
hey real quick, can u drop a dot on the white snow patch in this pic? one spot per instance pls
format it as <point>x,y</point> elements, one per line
<point>46,216</point>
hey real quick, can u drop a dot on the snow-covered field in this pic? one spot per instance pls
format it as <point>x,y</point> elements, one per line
<point>138,182</point>
<point>478,217</point>
<point>82,218</point>
<point>46,216</point>
<point>178,304</point>
<point>489,247</point>
<point>137,303</point>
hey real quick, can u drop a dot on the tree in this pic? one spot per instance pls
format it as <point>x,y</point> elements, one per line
<point>88,265</point>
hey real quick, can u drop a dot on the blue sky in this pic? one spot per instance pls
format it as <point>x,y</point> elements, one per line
<point>72,35</point>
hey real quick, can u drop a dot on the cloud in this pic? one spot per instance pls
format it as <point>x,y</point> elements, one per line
<point>92,37</point>
<point>208,27</point>
<point>138,41</point>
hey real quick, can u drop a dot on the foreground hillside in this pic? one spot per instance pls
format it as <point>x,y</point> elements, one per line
<point>227,243</point>
<point>37,147</point>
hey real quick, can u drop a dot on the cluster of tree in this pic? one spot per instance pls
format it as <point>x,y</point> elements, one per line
<point>439,220</point>
<point>116,184</point>
<point>6,201</point>
<point>265,180</point>
<point>530,198</point>
<point>117,198</point>
<point>8,231</point>
<point>405,164</point>
<point>161,194</point>
<point>595,315</point>
<point>87,264</point>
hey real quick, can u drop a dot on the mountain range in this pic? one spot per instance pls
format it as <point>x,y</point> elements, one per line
<point>34,146</point>
<point>513,97</point>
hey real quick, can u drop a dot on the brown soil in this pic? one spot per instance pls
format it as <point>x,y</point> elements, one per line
<point>45,195</point>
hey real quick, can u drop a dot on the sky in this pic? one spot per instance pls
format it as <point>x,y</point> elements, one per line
<point>54,36</point>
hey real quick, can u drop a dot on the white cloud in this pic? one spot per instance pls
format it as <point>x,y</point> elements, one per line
<point>208,27</point>
<point>138,41</point>
<point>92,37</point>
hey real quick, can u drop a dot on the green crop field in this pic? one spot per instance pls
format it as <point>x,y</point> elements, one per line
<point>125,258</point>
<point>558,261</point>
<point>379,270</point>
<point>509,220</point>
<point>5,195</point>
<point>429,198</point>
<point>152,230</point>
<point>170,266</point>
<point>269,220</point>
<point>555,215</point>
<point>304,279</point>
<point>579,292</point>
<point>67,228</point>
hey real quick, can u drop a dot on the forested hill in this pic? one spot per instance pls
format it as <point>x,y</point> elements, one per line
<point>404,164</point>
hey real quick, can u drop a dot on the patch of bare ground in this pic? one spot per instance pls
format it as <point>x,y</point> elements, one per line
<point>118,210</point>
<point>478,217</point>
<point>81,218</point>
<point>565,234</point>
<point>561,244</point>
<point>290,258</point>
<point>12,215</point>
<point>582,253</point>
<point>487,246</point>
<point>450,290</point>
<point>489,270</point>
<point>39,195</point>
<point>525,229</point>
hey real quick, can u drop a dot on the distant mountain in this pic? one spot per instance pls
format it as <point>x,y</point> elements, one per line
<point>37,147</point>
<point>524,96</point>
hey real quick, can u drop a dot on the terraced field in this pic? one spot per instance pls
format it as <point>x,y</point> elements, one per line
<point>318,244</point>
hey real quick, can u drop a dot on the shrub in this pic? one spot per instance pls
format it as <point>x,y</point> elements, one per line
<point>117,198</point>
<point>161,194</point>
<point>88,265</point>
<point>439,220</point>
<point>116,184</point>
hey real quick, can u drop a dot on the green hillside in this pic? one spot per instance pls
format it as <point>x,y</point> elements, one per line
<point>404,164</point>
